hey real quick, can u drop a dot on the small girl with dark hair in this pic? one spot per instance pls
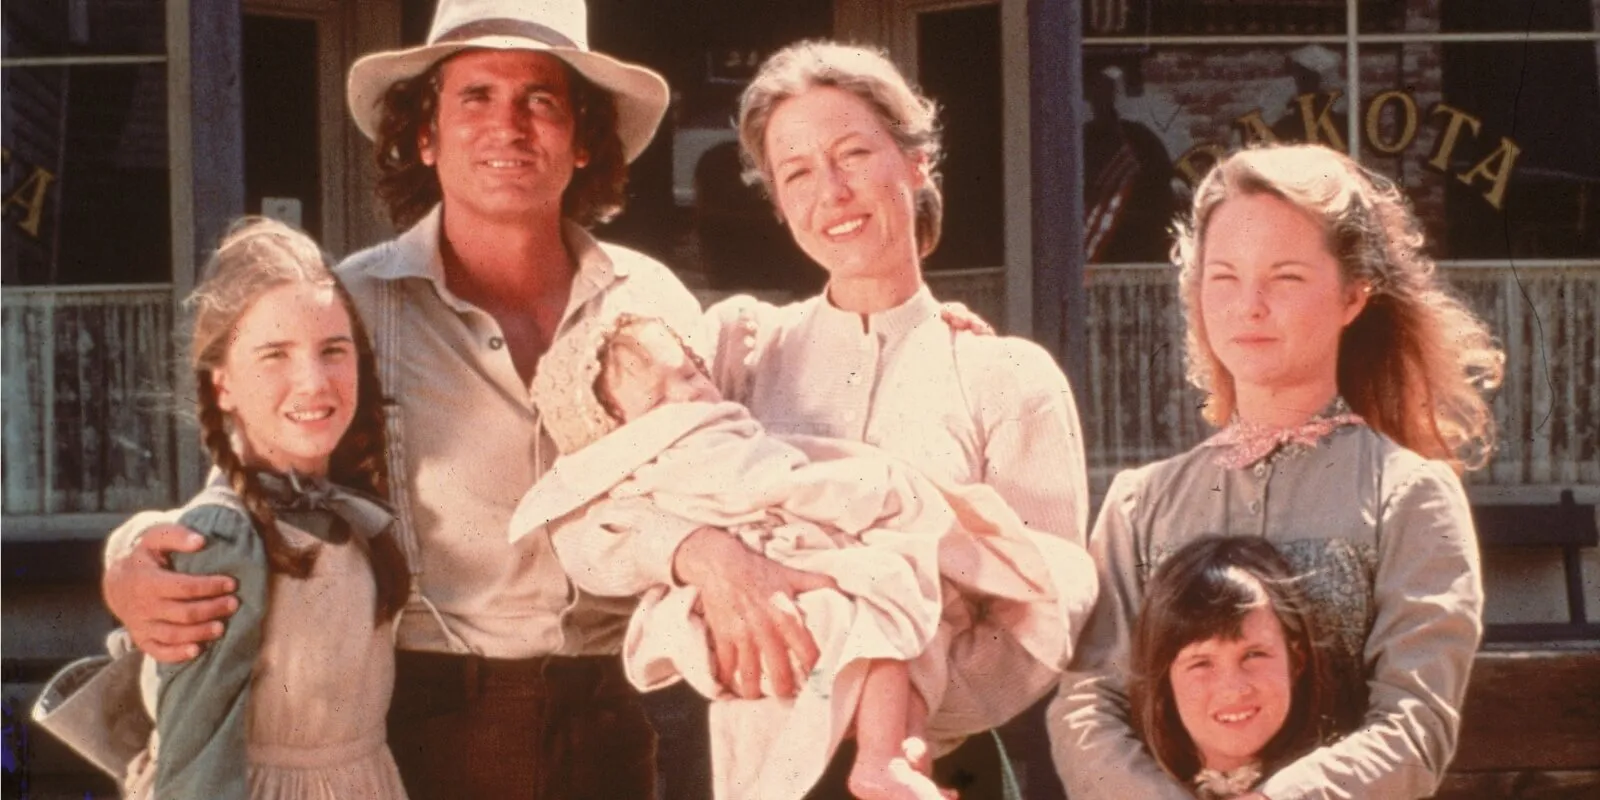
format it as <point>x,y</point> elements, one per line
<point>1229,680</point>
<point>291,701</point>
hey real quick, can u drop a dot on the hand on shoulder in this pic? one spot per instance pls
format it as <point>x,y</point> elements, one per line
<point>168,614</point>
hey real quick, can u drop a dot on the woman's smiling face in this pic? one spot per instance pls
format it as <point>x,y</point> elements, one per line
<point>843,185</point>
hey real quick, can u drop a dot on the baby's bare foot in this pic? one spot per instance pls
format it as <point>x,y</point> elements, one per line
<point>917,754</point>
<point>893,779</point>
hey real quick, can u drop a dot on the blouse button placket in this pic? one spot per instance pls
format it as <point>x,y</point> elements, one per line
<point>1263,474</point>
<point>860,381</point>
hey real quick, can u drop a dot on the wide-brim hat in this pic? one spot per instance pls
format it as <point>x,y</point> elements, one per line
<point>557,27</point>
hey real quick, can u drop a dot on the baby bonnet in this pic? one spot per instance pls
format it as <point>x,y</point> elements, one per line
<point>563,386</point>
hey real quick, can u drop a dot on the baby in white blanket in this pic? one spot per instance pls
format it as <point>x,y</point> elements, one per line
<point>929,575</point>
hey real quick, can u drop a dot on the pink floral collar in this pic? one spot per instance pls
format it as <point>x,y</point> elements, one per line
<point>1242,444</point>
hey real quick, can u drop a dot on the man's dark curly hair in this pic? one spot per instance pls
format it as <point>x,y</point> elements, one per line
<point>408,188</point>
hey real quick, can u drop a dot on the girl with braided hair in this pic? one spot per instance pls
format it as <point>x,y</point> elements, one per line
<point>290,413</point>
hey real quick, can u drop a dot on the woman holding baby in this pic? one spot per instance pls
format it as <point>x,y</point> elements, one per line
<point>849,154</point>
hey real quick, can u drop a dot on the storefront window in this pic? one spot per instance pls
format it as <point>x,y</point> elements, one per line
<point>1497,144</point>
<point>1160,116</point>
<point>959,67</point>
<point>87,261</point>
<point>85,144</point>
<point>53,28</point>
<point>1488,114</point>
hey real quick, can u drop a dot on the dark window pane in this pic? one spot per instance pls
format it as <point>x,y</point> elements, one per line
<point>959,68</point>
<point>86,178</point>
<point>1479,16</point>
<point>1214,17</point>
<point>84,27</point>
<point>1498,145</point>
<point>281,129</point>
<point>686,202</point>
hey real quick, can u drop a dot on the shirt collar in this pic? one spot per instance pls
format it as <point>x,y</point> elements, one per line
<point>419,256</point>
<point>889,325</point>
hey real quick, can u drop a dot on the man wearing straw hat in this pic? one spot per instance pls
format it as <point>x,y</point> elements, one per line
<point>498,142</point>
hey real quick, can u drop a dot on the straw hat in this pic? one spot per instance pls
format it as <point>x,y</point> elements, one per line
<point>557,27</point>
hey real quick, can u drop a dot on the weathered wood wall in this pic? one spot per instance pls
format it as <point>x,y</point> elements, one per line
<point>88,409</point>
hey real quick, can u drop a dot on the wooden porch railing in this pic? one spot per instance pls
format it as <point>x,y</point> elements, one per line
<point>88,407</point>
<point>90,419</point>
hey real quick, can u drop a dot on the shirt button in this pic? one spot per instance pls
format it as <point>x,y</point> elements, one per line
<point>495,343</point>
<point>1261,469</point>
<point>1255,506</point>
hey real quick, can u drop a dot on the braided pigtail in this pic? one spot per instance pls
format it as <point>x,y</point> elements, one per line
<point>257,256</point>
<point>281,555</point>
<point>360,463</point>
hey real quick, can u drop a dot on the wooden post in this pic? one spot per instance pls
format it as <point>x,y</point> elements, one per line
<point>1055,78</point>
<point>205,121</point>
<point>216,107</point>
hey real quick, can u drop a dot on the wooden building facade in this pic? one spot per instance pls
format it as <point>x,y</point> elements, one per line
<point>134,129</point>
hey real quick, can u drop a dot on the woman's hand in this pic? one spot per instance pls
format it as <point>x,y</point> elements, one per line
<point>748,601</point>
<point>168,614</point>
<point>963,319</point>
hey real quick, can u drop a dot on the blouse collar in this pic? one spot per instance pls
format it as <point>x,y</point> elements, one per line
<point>889,325</point>
<point>1242,443</point>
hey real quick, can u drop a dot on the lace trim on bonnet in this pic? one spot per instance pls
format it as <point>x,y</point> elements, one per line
<point>563,385</point>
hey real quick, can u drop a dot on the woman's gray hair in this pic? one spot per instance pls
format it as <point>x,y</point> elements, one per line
<point>912,119</point>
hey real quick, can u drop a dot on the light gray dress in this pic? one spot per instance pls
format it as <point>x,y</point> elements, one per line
<point>1388,541</point>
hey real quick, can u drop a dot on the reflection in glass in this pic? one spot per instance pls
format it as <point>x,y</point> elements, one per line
<point>1496,144</point>
<point>86,179</point>
<point>1186,106</point>
<point>1128,193</point>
